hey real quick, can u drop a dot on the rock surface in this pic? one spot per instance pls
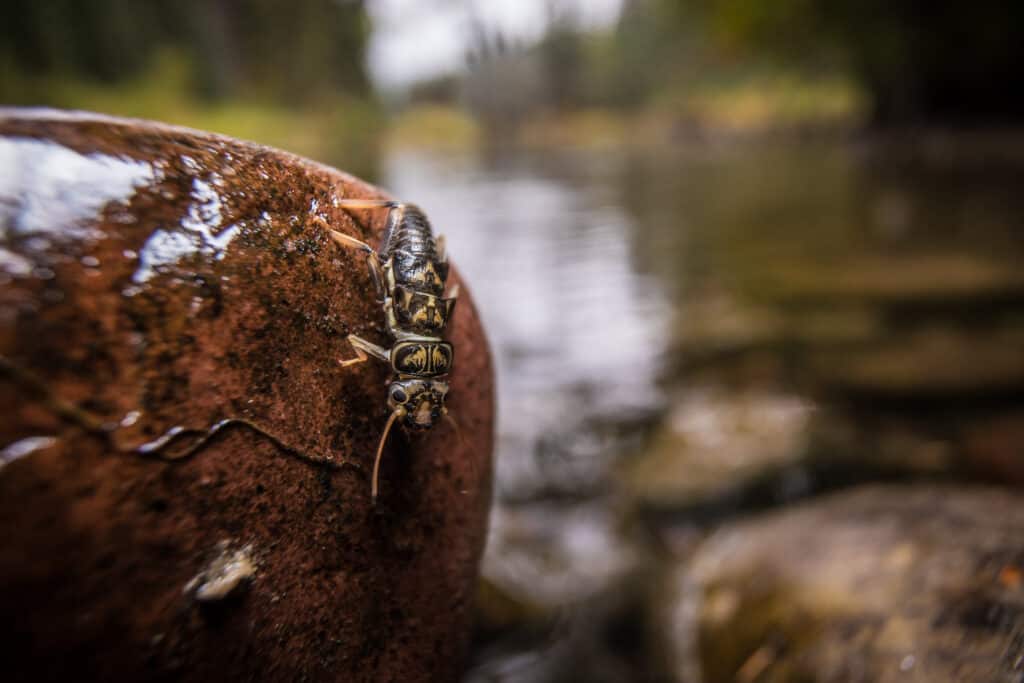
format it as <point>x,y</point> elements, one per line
<point>159,277</point>
<point>715,443</point>
<point>881,584</point>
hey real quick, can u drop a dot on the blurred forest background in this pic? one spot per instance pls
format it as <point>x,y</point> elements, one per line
<point>730,255</point>
<point>294,74</point>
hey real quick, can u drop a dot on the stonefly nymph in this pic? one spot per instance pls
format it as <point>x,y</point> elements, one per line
<point>410,270</point>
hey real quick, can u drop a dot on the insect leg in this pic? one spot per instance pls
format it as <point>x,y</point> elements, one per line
<point>396,216</point>
<point>350,242</point>
<point>449,302</point>
<point>372,260</point>
<point>367,203</point>
<point>363,347</point>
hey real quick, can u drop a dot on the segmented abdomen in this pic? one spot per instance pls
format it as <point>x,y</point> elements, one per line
<point>417,265</point>
<point>411,234</point>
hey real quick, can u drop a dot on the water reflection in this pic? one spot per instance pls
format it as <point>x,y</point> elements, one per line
<point>578,334</point>
<point>689,334</point>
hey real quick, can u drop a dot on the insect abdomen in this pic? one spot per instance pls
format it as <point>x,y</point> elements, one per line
<point>412,249</point>
<point>421,313</point>
<point>411,234</point>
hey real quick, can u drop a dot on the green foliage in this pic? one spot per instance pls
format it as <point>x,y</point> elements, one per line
<point>289,74</point>
<point>627,66</point>
<point>105,40</point>
<point>433,126</point>
<point>919,60</point>
<point>337,129</point>
<point>294,52</point>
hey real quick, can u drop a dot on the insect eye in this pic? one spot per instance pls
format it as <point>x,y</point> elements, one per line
<point>398,396</point>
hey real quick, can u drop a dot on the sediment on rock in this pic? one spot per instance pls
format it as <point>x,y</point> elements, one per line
<point>155,277</point>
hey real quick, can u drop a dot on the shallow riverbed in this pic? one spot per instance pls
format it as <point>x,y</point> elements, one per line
<point>690,333</point>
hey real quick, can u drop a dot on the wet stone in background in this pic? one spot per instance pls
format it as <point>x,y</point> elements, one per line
<point>695,333</point>
<point>898,583</point>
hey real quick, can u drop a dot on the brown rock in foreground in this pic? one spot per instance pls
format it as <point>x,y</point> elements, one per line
<point>157,276</point>
<point>898,583</point>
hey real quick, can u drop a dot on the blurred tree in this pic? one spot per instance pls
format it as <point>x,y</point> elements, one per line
<point>503,84</point>
<point>297,49</point>
<point>654,46</point>
<point>562,58</point>
<point>920,60</point>
<point>105,39</point>
<point>291,52</point>
<point>443,90</point>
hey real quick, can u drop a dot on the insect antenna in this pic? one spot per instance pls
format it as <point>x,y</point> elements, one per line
<point>462,442</point>
<point>455,427</point>
<point>380,450</point>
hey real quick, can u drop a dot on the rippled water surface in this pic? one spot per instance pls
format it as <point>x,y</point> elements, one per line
<point>686,333</point>
<point>594,269</point>
<point>577,328</point>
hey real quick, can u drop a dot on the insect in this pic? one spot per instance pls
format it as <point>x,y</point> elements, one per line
<point>409,270</point>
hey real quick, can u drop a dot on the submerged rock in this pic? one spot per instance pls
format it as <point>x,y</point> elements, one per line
<point>880,584</point>
<point>938,362</point>
<point>715,443</point>
<point>563,591</point>
<point>154,278</point>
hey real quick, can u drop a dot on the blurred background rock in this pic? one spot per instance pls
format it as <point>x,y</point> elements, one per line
<point>730,254</point>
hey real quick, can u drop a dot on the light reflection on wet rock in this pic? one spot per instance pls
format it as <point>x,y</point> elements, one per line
<point>159,281</point>
<point>54,192</point>
<point>24,447</point>
<point>200,231</point>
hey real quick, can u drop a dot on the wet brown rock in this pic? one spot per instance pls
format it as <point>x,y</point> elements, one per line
<point>156,276</point>
<point>880,584</point>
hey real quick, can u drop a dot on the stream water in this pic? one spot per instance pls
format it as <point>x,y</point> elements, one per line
<point>714,326</point>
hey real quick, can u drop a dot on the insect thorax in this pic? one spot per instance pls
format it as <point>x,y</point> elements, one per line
<point>422,358</point>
